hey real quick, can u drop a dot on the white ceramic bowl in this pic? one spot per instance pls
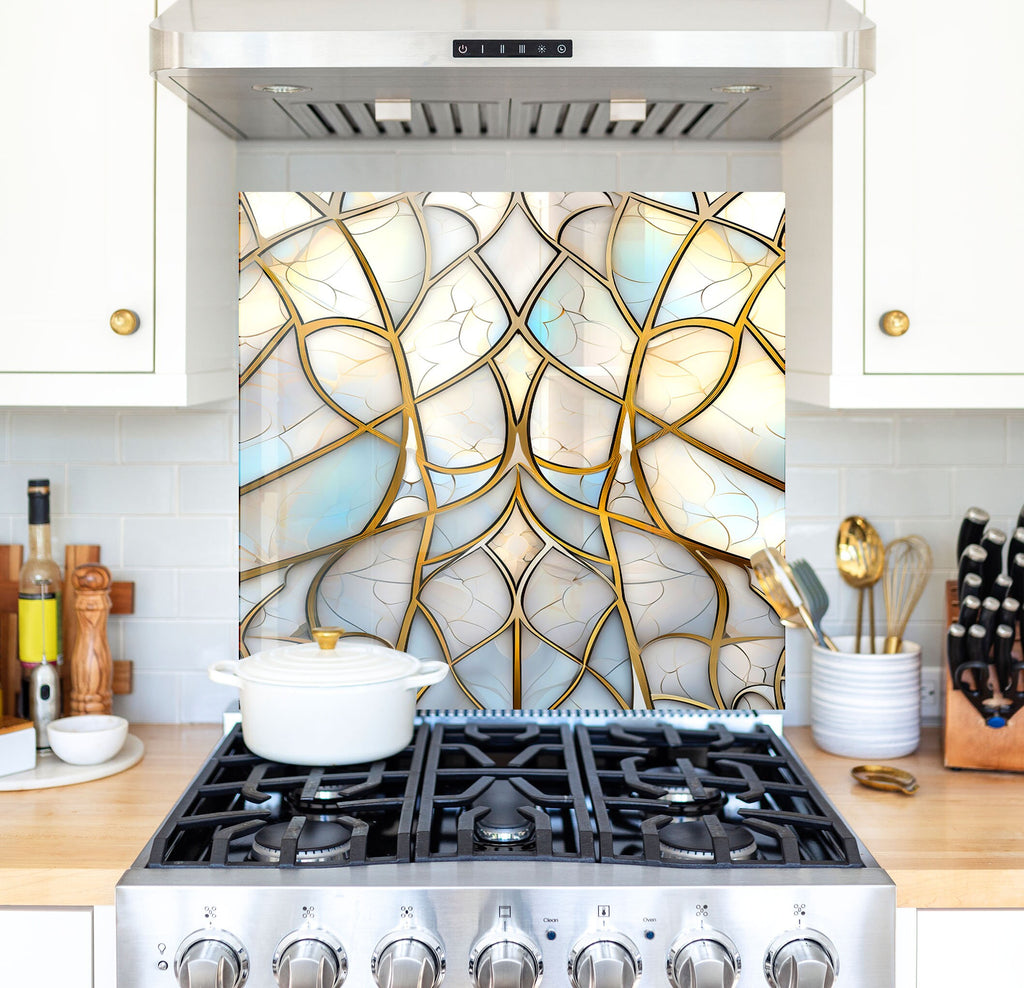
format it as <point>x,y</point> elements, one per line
<point>88,739</point>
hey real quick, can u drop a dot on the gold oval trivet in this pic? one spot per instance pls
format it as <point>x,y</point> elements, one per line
<point>885,777</point>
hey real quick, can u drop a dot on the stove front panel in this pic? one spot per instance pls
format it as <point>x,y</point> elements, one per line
<point>549,913</point>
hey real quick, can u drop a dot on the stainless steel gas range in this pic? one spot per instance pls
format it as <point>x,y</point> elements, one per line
<point>500,850</point>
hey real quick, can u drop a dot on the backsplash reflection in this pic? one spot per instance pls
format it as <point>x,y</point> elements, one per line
<point>534,435</point>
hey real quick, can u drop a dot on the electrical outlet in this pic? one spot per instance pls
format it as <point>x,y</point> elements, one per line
<point>931,694</point>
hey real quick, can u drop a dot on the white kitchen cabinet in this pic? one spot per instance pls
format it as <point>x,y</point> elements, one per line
<point>968,947</point>
<point>906,197</point>
<point>47,947</point>
<point>115,197</point>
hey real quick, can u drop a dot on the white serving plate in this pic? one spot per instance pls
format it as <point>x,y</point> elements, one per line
<point>50,771</point>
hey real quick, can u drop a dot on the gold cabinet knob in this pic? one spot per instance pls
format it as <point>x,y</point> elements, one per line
<point>895,322</point>
<point>124,322</point>
<point>327,638</point>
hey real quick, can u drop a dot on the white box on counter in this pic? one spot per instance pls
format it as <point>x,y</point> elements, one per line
<point>17,745</point>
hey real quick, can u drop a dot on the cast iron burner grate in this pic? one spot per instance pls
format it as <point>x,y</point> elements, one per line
<point>624,789</point>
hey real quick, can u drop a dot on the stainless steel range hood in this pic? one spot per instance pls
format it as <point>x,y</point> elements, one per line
<point>675,69</point>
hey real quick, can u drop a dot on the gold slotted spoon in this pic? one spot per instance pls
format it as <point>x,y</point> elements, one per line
<point>860,558</point>
<point>776,581</point>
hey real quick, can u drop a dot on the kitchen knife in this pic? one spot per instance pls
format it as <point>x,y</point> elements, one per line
<point>988,618</point>
<point>1009,612</point>
<point>970,608</point>
<point>956,650</point>
<point>1016,545</point>
<point>973,524</point>
<point>992,542</point>
<point>976,664</point>
<point>1002,661</point>
<point>1020,518</point>
<point>972,586</point>
<point>1001,587</point>
<point>972,560</point>
<point>1016,571</point>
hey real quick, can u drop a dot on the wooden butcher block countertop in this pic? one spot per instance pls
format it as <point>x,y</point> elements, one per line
<point>958,843</point>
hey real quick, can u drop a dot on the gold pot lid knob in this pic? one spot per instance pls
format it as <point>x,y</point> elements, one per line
<point>895,322</point>
<point>124,322</point>
<point>327,638</point>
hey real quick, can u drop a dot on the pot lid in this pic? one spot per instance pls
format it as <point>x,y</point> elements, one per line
<point>328,662</point>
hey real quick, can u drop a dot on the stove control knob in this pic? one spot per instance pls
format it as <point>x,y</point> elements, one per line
<point>211,959</point>
<point>408,959</point>
<point>707,960</point>
<point>801,959</point>
<point>506,964</point>
<point>606,960</point>
<point>310,959</point>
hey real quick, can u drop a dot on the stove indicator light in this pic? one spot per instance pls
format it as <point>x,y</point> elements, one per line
<point>648,934</point>
<point>161,965</point>
<point>551,934</point>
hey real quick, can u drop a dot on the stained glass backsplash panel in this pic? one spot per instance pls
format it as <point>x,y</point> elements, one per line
<point>536,435</point>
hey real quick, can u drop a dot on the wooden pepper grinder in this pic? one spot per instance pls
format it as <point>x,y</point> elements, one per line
<point>92,670</point>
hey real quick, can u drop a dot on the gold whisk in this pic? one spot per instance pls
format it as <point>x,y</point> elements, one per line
<point>908,562</point>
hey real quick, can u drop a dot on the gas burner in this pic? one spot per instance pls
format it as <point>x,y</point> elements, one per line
<point>691,841</point>
<point>502,823</point>
<point>327,803</point>
<point>682,801</point>
<point>318,843</point>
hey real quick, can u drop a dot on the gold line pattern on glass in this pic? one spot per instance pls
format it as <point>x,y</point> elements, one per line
<point>537,436</point>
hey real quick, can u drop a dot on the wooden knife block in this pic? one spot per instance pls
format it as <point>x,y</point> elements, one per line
<point>967,741</point>
<point>122,598</point>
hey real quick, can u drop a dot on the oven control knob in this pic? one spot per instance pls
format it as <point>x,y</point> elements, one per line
<point>707,960</point>
<point>409,959</point>
<point>606,960</point>
<point>211,959</point>
<point>310,959</point>
<point>506,964</point>
<point>801,959</point>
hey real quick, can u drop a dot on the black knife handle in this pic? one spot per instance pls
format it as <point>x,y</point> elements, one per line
<point>973,524</point>
<point>956,650</point>
<point>989,618</point>
<point>1016,545</point>
<point>1009,612</point>
<point>1016,573</point>
<point>1001,586</point>
<point>977,661</point>
<point>993,542</point>
<point>970,608</point>
<point>972,560</point>
<point>1020,518</point>
<point>972,586</point>
<point>1004,643</point>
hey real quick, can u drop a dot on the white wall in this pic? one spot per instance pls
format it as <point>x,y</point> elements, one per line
<point>158,489</point>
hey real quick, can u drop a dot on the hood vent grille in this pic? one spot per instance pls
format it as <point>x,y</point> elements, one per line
<point>575,119</point>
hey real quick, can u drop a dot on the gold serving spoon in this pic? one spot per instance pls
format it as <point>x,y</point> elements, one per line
<point>860,558</point>
<point>783,592</point>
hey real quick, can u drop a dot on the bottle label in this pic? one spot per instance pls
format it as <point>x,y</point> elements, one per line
<point>38,621</point>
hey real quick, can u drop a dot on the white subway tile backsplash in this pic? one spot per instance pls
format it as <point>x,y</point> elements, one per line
<point>156,592</point>
<point>927,440</point>
<point>203,701</point>
<point>75,437</point>
<point>666,172</point>
<point>155,698</point>
<point>180,437</point>
<point>208,593</point>
<point>811,492</point>
<point>897,492</point>
<point>575,167</point>
<point>209,490</point>
<point>342,171</point>
<point>157,645</point>
<point>754,173</point>
<point>14,478</point>
<point>452,172</point>
<point>83,530</point>
<point>120,490</point>
<point>261,170</point>
<point>853,440</point>
<point>999,490</point>
<point>180,542</point>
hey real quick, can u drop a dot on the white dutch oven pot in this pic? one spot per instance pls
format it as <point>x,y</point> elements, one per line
<point>326,703</point>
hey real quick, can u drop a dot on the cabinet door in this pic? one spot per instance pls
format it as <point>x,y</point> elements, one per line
<point>46,948</point>
<point>77,169</point>
<point>944,207</point>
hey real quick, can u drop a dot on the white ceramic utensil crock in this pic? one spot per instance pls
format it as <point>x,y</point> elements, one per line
<point>327,703</point>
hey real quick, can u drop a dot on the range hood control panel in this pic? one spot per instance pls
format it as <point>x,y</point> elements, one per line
<point>512,48</point>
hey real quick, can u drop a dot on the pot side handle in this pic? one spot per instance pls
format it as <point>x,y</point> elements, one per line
<point>428,674</point>
<point>223,672</point>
